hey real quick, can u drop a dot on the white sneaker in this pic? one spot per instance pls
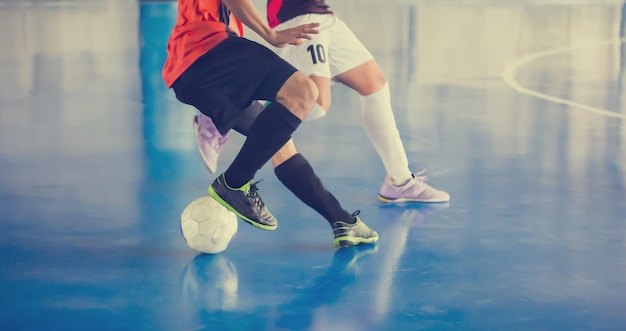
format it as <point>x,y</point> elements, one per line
<point>209,141</point>
<point>415,190</point>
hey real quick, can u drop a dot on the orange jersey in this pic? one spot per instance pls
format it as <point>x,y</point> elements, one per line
<point>201,25</point>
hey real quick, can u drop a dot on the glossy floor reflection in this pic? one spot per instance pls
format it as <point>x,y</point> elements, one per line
<point>517,110</point>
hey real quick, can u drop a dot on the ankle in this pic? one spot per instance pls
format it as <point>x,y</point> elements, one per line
<point>399,183</point>
<point>227,180</point>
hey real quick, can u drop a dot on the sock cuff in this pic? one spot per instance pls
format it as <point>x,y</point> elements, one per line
<point>288,166</point>
<point>315,113</point>
<point>292,120</point>
<point>383,92</point>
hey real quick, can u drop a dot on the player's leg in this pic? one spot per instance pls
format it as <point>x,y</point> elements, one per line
<point>291,100</point>
<point>353,65</point>
<point>295,172</point>
<point>220,84</point>
<point>378,119</point>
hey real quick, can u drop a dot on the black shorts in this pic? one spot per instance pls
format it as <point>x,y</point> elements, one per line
<point>225,80</point>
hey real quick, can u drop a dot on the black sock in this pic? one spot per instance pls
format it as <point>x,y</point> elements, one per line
<point>298,176</point>
<point>270,131</point>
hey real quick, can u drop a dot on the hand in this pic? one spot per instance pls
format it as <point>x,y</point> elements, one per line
<point>293,36</point>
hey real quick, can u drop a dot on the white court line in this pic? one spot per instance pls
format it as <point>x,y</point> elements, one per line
<point>509,72</point>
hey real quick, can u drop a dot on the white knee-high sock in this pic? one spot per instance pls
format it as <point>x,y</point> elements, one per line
<point>380,126</point>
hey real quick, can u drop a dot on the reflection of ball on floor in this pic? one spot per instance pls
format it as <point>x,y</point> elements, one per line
<point>211,283</point>
<point>207,226</point>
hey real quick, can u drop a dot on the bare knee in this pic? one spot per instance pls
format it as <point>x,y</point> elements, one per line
<point>377,83</point>
<point>372,85</point>
<point>365,79</point>
<point>323,85</point>
<point>298,94</point>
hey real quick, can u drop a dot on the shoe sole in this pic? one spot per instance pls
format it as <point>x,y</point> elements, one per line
<point>196,129</point>
<point>221,201</point>
<point>347,241</point>
<point>385,199</point>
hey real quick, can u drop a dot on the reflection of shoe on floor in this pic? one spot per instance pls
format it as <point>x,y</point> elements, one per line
<point>415,190</point>
<point>392,214</point>
<point>415,215</point>
<point>347,260</point>
<point>209,141</point>
<point>243,201</point>
<point>351,234</point>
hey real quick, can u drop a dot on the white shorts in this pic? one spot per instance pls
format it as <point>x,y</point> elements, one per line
<point>333,51</point>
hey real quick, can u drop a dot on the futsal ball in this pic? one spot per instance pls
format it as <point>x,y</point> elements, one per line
<point>207,226</point>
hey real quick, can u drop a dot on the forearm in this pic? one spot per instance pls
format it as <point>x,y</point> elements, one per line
<point>246,12</point>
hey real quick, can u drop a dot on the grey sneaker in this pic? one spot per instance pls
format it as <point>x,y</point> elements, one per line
<point>347,234</point>
<point>245,202</point>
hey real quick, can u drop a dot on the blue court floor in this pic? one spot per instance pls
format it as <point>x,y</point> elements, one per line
<point>517,108</point>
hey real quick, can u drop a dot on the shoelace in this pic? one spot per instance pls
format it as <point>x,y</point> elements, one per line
<point>252,193</point>
<point>420,177</point>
